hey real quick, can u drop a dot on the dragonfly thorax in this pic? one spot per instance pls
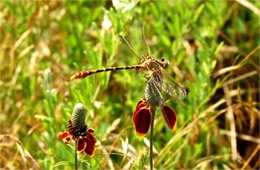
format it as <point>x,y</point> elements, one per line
<point>153,64</point>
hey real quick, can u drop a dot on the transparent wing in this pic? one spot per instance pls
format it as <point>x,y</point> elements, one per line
<point>137,38</point>
<point>169,86</point>
<point>131,44</point>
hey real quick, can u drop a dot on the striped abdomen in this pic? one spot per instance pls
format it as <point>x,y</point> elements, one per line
<point>84,74</point>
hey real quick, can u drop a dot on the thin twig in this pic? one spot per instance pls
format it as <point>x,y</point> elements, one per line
<point>251,157</point>
<point>241,77</point>
<point>249,6</point>
<point>241,136</point>
<point>230,117</point>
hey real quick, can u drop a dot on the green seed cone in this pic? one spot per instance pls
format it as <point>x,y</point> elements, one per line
<point>78,116</point>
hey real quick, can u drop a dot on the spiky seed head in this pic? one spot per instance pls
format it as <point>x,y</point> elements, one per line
<point>78,116</point>
<point>142,159</point>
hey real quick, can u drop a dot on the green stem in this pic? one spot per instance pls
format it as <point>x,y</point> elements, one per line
<point>76,155</point>
<point>151,139</point>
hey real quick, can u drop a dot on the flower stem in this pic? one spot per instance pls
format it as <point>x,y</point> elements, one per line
<point>76,155</point>
<point>151,139</point>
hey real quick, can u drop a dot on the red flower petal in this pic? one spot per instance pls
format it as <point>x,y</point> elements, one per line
<point>63,135</point>
<point>90,131</point>
<point>82,144</point>
<point>67,140</point>
<point>74,138</point>
<point>95,140</point>
<point>91,140</point>
<point>142,120</point>
<point>141,101</point>
<point>139,106</point>
<point>169,115</point>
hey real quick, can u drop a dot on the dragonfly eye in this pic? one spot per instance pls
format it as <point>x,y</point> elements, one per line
<point>162,59</point>
<point>164,62</point>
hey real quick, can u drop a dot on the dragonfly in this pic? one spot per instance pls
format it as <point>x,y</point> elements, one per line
<point>150,66</point>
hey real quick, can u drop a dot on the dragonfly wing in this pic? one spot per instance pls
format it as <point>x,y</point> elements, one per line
<point>137,38</point>
<point>133,42</point>
<point>172,87</point>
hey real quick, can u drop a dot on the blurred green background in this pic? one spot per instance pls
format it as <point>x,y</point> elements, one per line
<point>213,49</point>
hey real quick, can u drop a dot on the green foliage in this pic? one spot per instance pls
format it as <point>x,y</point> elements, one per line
<point>44,42</point>
<point>141,161</point>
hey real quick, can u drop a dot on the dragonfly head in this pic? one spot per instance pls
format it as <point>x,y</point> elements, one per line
<point>154,63</point>
<point>164,63</point>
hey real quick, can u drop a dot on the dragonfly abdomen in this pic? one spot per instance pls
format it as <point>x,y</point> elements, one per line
<point>84,74</point>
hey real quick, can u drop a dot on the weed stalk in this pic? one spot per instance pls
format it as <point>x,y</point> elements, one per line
<point>151,139</point>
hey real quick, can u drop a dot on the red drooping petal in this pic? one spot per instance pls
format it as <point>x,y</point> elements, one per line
<point>82,144</point>
<point>141,101</point>
<point>139,106</point>
<point>91,140</point>
<point>90,131</point>
<point>169,115</point>
<point>142,120</point>
<point>63,135</point>
<point>67,140</point>
<point>74,138</point>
